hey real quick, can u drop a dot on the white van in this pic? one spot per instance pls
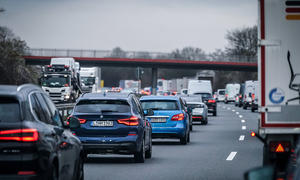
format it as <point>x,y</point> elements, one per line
<point>221,95</point>
<point>231,91</point>
<point>199,86</point>
<point>247,96</point>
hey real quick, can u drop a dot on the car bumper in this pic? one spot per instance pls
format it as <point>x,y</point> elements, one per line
<point>117,145</point>
<point>169,132</point>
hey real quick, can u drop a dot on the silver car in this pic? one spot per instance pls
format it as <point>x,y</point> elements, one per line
<point>198,111</point>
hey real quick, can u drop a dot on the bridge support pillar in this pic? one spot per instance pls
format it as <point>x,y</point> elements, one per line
<point>154,81</point>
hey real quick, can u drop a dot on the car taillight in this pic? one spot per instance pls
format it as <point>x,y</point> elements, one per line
<point>253,97</point>
<point>178,117</point>
<point>49,66</point>
<point>26,172</point>
<point>280,147</point>
<point>226,95</point>
<point>211,101</point>
<point>66,66</point>
<point>25,135</point>
<point>81,121</point>
<point>132,121</point>
<point>240,96</point>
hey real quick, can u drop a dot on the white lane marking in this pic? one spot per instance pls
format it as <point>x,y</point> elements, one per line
<point>228,108</point>
<point>237,113</point>
<point>242,137</point>
<point>243,127</point>
<point>243,121</point>
<point>240,116</point>
<point>231,156</point>
<point>233,110</point>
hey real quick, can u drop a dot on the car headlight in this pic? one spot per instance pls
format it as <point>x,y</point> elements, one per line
<point>67,96</point>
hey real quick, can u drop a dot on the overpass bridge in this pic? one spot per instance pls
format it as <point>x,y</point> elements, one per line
<point>152,60</point>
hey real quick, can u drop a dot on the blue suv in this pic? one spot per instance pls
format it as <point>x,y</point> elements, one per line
<point>113,123</point>
<point>170,119</point>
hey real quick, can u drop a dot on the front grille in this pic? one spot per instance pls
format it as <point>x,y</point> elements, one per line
<point>55,94</point>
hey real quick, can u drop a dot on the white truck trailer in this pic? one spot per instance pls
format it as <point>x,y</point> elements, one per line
<point>278,70</point>
<point>90,79</point>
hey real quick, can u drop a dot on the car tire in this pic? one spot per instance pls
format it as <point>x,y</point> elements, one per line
<point>191,127</point>
<point>215,113</point>
<point>53,173</point>
<point>148,154</point>
<point>204,122</point>
<point>184,140</point>
<point>140,156</point>
<point>244,107</point>
<point>189,138</point>
<point>252,110</point>
<point>80,170</point>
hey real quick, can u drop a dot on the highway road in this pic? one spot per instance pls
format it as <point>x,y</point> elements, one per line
<point>223,149</point>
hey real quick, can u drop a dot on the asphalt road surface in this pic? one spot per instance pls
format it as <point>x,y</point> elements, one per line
<point>223,149</point>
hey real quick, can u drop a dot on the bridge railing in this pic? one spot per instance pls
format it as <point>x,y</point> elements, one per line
<point>130,55</point>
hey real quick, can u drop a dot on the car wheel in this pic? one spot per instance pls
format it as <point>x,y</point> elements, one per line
<point>184,139</point>
<point>252,110</point>
<point>244,107</point>
<point>191,127</point>
<point>140,156</point>
<point>204,122</point>
<point>148,154</point>
<point>189,137</point>
<point>53,174</point>
<point>80,170</point>
<point>215,113</point>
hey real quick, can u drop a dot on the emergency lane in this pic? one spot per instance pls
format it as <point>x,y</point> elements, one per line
<point>215,152</point>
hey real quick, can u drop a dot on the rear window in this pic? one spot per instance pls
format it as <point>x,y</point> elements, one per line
<point>221,92</point>
<point>9,110</point>
<point>160,105</point>
<point>102,106</point>
<point>195,106</point>
<point>192,98</point>
<point>204,95</point>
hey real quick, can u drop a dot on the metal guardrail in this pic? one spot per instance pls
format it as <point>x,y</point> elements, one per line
<point>64,109</point>
<point>129,54</point>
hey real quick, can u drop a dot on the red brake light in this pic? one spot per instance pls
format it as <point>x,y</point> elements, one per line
<point>252,134</point>
<point>211,101</point>
<point>25,135</point>
<point>49,66</point>
<point>26,172</point>
<point>66,85</point>
<point>253,97</point>
<point>178,117</point>
<point>82,121</point>
<point>240,96</point>
<point>67,66</point>
<point>132,121</point>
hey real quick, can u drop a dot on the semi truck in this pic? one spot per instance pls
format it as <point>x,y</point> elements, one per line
<point>90,79</point>
<point>61,81</point>
<point>279,78</point>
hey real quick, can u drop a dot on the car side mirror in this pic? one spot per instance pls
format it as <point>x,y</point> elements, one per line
<point>149,112</point>
<point>260,173</point>
<point>74,123</point>
<point>189,110</point>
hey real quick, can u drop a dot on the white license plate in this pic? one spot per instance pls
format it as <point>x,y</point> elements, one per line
<point>158,119</point>
<point>103,123</point>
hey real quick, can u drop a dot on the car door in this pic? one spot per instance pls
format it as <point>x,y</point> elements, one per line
<point>66,147</point>
<point>146,122</point>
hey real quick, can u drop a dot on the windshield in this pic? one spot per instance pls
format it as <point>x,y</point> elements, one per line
<point>160,105</point>
<point>102,106</point>
<point>87,81</point>
<point>55,81</point>
<point>9,110</point>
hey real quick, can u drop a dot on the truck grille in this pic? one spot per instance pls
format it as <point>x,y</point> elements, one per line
<point>55,95</point>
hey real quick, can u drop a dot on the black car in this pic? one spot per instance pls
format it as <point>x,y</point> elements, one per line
<point>113,123</point>
<point>34,142</point>
<point>210,102</point>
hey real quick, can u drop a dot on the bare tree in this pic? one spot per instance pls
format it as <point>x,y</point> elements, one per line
<point>12,63</point>
<point>242,42</point>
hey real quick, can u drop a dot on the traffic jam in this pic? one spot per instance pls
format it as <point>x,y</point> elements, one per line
<point>70,126</point>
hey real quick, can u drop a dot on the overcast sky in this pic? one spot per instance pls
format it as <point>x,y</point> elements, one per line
<point>137,25</point>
